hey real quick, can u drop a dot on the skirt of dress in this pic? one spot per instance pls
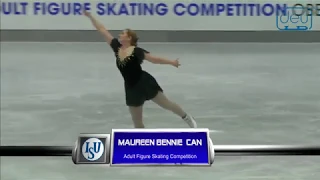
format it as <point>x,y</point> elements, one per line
<point>146,88</point>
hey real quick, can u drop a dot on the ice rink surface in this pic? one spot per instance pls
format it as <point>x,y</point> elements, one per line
<point>250,93</point>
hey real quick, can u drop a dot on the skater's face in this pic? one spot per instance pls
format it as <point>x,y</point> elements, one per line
<point>128,36</point>
<point>124,37</point>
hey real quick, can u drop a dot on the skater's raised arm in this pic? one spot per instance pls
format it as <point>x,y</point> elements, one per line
<point>106,34</point>
<point>160,60</point>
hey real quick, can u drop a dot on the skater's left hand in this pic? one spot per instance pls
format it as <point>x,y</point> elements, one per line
<point>176,63</point>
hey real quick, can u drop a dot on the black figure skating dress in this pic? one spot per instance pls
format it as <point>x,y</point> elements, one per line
<point>139,85</point>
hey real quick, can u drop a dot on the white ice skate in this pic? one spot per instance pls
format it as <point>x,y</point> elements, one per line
<point>190,121</point>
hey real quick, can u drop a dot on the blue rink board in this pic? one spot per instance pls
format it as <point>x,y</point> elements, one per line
<point>166,155</point>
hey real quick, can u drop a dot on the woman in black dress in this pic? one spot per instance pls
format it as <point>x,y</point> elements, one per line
<point>140,86</point>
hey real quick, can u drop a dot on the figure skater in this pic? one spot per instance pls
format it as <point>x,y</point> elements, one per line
<point>139,85</point>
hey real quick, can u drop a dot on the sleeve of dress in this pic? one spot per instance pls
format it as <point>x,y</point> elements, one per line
<point>140,53</point>
<point>115,45</point>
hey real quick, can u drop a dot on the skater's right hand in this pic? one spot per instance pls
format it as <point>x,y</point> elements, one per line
<point>86,13</point>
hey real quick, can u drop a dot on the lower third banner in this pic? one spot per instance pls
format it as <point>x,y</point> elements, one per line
<point>161,147</point>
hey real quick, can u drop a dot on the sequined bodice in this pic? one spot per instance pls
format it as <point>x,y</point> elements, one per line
<point>130,67</point>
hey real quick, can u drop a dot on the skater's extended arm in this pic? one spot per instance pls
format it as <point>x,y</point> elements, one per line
<point>106,34</point>
<point>160,60</point>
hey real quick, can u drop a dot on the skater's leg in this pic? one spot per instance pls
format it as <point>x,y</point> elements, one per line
<point>136,115</point>
<point>165,103</point>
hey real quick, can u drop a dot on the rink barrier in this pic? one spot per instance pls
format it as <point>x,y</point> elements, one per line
<point>220,150</point>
